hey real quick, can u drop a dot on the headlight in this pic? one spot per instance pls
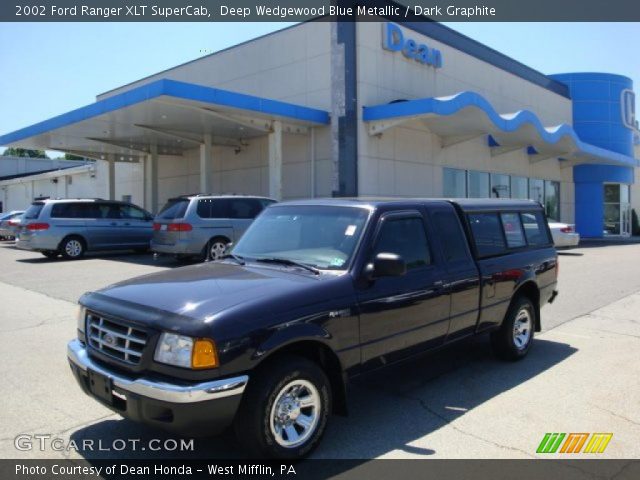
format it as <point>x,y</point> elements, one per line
<point>80,318</point>
<point>186,352</point>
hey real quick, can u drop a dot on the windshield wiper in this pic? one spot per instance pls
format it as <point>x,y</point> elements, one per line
<point>292,263</point>
<point>237,258</point>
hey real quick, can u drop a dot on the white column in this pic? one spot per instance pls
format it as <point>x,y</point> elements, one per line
<point>275,161</point>
<point>206,165</point>
<point>111,165</point>
<point>151,180</point>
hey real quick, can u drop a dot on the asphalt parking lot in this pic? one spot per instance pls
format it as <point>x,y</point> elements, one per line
<point>583,374</point>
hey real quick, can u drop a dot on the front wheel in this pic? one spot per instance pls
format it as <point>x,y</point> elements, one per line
<point>514,338</point>
<point>285,410</point>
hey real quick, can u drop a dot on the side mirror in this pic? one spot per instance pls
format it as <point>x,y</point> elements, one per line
<point>386,265</point>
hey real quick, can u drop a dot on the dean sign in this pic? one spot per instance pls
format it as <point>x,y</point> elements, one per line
<point>394,40</point>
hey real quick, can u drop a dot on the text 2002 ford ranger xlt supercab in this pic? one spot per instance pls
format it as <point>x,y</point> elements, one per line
<point>315,293</point>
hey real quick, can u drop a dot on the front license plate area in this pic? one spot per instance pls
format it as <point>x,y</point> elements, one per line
<point>101,387</point>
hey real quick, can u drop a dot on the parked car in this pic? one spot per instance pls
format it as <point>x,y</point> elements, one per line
<point>564,234</point>
<point>314,294</point>
<point>72,227</point>
<point>6,230</point>
<point>203,225</point>
<point>13,225</point>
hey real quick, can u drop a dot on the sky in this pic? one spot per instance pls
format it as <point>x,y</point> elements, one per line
<point>51,68</point>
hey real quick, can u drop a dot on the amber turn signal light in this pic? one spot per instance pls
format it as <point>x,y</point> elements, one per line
<point>204,354</point>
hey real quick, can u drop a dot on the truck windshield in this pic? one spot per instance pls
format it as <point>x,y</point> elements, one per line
<point>323,237</point>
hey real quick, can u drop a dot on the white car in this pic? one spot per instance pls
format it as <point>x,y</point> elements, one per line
<point>564,234</point>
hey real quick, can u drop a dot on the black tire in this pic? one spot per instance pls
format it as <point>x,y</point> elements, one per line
<point>252,425</point>
<point>73,247</point>
<point>506,342</point>
<point>141,250</point>
<point>51,254</point>
<point>215,248</point>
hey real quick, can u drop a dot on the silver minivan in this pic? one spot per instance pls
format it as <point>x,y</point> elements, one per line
<point>203,225</point>
<point>72,227</point>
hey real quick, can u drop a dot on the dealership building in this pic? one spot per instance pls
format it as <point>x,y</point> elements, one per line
<point>360,109</point>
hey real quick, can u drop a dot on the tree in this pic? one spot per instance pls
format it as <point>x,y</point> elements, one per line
<point>68,156</point>
<point>24,152</point>
<point>635,225</point>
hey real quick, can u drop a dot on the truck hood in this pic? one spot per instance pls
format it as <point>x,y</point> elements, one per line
<point>203,291</point>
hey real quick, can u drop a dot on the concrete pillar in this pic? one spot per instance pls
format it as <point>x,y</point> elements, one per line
<point>151,180</point>
<point>275,161</point>
<point>206,165</point>
<point>111,165</point>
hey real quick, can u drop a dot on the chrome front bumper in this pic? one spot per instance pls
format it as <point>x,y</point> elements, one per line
<point>158,390</point>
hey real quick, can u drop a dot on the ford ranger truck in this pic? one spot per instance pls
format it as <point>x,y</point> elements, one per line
<point>313,295</point>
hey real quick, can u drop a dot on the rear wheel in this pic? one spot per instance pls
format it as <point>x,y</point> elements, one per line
<point>284,412</point>
<point>216,248</point>
<point>72,248</point>
<point>514,338</point>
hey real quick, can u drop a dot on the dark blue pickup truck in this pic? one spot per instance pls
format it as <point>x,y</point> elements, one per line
<point>314,294</point>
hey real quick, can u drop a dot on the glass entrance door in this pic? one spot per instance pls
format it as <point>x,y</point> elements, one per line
<point>617,209</point>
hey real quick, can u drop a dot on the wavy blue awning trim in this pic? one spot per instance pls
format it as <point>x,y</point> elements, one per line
<point>504,123</point>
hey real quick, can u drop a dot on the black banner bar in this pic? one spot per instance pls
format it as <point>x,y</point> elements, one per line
<point>551,469</point>
<point>323,10</point>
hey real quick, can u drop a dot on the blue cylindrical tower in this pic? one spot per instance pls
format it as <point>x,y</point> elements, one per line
<point>604,116</point>
<point>600,106</point>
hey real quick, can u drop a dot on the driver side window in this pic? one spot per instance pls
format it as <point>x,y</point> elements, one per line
<point>405,237</point>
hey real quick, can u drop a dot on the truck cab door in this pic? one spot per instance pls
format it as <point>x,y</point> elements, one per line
<point>401,316</point>
<point>461,277</point>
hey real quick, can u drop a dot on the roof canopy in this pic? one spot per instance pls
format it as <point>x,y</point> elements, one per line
<point>468,115</point>
<point>173,115</point>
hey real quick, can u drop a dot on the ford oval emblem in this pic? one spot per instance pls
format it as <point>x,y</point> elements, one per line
<point>109,339</point>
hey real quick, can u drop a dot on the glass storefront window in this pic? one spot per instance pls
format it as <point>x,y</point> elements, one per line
<point>519,188</point>
<point>536,190</point>
<point>454,183</point>
<point>477,184</point>
<point>552,199</point>
<point>500,187</point>
<point>612,193</point>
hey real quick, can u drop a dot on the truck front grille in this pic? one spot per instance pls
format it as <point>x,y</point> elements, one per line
<point>115,339</point>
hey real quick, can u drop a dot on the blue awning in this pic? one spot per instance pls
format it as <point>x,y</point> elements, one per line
<point>467,115</point>
<point>172,115</point>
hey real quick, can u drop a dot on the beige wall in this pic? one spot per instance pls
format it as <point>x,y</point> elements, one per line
<point>408,160</point>
<point>384,76</point>
<point>292,65</point>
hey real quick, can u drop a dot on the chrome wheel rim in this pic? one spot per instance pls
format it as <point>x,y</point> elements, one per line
<point>295,413</point>
<point>73,248</point>
<point>522,329</point>
<point>217,250</point>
